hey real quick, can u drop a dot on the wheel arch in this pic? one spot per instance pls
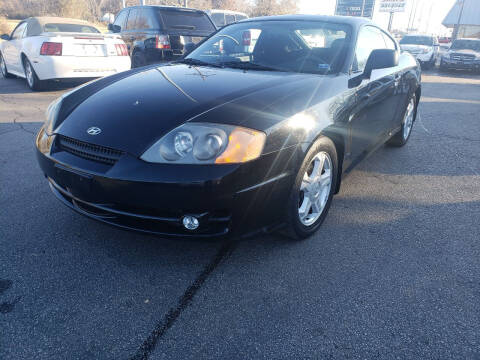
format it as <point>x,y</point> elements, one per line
<point>339,142</point>
<point>23,56</point>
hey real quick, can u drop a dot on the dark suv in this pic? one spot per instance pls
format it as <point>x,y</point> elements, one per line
<point>160,33</point>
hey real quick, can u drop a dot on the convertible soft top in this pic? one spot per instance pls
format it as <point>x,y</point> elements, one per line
<point>36,24</point>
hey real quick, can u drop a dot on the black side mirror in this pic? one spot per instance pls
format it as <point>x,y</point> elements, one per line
<point>5,37</point>
<point>380,59</point>
<point>114,28</point>
<point>189,47</point>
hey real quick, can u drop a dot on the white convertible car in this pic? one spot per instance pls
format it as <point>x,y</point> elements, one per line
<point>52,48</point>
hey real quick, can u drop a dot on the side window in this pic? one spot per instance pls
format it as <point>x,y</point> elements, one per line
<point>132,17</point>
<point>389,42</point>
<point>370,38</point>
<point>229,18</point>
<point>142,20</point>
<point>18,32</point>
<point>120,20</point>
<point>218,19</point>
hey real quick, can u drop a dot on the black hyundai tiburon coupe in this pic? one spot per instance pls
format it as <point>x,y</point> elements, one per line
<point>252,130</point>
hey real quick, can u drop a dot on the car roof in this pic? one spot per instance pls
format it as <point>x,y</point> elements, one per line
<point>165,7</point>
<point>215,11</point>
<point>350,20</point>
<point>36,24</point>
<point>469,39</point>
<point>42,20</point>
<point>422,35</point>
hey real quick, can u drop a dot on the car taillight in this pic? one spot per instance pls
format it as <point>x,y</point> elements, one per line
<point>247,38</point>
<point>51,48</point>
<point>162,42</point>
<point>121,49</point>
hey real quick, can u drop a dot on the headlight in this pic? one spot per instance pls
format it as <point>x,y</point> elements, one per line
<point>51,115</point>
<point>205,143</point>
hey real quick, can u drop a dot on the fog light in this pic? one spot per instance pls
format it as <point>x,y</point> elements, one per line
<point>190,222</point>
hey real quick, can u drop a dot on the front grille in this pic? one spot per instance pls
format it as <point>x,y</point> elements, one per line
<point>462,57</point>
<point>88,151</point>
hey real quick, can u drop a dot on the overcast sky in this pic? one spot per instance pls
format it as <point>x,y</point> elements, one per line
<point>429,14</point>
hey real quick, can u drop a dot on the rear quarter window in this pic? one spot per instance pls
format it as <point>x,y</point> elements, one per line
<point>218,19</point>
<point>186,20</point>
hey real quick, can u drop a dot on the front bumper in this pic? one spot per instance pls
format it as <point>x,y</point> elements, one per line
<point>69,67</point>
<point>153,198</point>
<point>473,65</point>
<point>424,58</point>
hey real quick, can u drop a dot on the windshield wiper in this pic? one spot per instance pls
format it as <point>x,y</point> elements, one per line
<point>196,62</point>
<point>247,65</point>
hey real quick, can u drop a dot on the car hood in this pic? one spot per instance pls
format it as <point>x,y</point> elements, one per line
<point>136,109</point>
<point>463,51</point>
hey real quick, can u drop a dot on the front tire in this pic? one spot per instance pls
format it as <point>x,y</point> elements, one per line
<point>313,190</point>
<point>3,68</point>
<point>401,137</point>
<point>33,82</point>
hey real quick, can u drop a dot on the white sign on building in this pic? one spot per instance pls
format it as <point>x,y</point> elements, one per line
<point>392,5</point>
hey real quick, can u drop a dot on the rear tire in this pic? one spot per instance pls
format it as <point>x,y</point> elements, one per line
<point>313,190</point>
<point>33,82</point>
<point>402,136</point>
<point>3,68</point>
<point>138,59</point>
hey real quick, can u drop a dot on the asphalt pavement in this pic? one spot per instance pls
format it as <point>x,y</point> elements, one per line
<point>394,273</point>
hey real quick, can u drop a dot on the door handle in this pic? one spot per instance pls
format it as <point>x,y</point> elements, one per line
<point>365,97</point>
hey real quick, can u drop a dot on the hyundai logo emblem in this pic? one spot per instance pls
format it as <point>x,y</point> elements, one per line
<point>94,130</point>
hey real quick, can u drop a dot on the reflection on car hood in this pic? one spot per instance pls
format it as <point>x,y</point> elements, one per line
<point>411,47</point>
<point>135,110</point>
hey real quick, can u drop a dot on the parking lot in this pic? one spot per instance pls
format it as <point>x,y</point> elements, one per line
<point>393,273</point>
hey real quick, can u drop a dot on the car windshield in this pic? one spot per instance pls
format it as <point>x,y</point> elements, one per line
<point>466,45</point>
<point>417,40</point>
<point>292,46</point>
<point>78,28</point>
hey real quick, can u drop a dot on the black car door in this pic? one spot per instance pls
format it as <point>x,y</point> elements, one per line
<point>120,22</point>
<point>376,97</point>
<point>129,35</point>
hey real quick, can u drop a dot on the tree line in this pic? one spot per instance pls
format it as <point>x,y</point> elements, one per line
<point>93,10</point>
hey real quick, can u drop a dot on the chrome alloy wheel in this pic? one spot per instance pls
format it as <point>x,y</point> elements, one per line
<point>315,188</point>
<point>3,66</point>
<point>408,120</point>
<point>29,73</point>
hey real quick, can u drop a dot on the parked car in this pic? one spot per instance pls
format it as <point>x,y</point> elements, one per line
<point>52,48</point>
<point>444,40</point>
<point>224,17</point>
<point>464,54</point>
<point>424,47</point>
<point>229,143</point>
<point>160,33</point>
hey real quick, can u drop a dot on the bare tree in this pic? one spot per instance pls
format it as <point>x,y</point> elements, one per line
<point>273,7</point>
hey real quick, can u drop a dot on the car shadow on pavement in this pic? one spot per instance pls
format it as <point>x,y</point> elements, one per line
<point>19,86</point>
